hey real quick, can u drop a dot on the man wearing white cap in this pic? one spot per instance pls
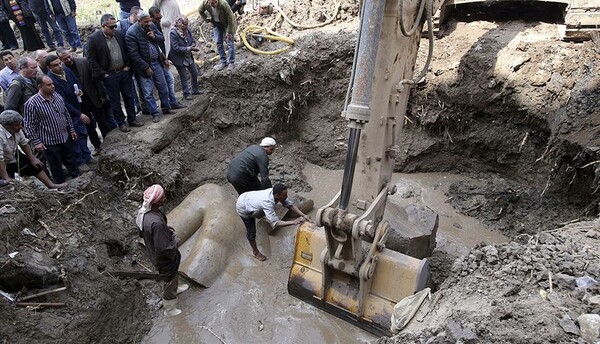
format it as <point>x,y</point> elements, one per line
<point>244,170</point>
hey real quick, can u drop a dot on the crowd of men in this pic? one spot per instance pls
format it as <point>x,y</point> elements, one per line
<point>54,103</point>
<point>63,98</point>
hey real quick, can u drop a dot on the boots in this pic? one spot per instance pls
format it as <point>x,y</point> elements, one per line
<point>182,287</point>
<point>171,308</point>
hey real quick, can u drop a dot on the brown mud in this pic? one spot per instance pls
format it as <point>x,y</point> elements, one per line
<point>506,104</point>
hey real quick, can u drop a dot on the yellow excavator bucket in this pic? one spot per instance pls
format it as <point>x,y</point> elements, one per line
<point>395,276</point>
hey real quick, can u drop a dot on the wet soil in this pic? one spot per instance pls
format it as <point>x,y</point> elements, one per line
<point>506,104</point>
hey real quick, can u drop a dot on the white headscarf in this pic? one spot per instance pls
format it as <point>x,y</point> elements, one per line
<point>151,196</point>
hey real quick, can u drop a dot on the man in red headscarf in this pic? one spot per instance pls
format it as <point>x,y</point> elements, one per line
<point>161,245</point>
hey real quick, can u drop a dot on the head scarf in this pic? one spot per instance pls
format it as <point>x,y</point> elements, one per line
<point>181,30</point>
<point>152,195</point>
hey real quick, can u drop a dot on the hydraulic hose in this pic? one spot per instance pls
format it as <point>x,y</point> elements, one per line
<point>429,13</point>
<point>300,26</point>
<point>416,23</point>
<point>266,34</point>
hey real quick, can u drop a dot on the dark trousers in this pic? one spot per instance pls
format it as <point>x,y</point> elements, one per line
<point>185,78</point>
<point>117,85</point>
<point>244,184</point>
<point>7,36</point>
<point>62,154</point>
<point>170,288</point>
<point>44,19</point>
<point>91,130</point>
<point>82,152</point>
<point>23,167</point>
<point>250,228</point>
<point>99,117</point>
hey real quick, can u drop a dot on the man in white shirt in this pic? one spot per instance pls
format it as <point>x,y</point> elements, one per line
<point>256,204</point>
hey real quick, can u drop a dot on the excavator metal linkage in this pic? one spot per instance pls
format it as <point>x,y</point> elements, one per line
<point>341,264</point>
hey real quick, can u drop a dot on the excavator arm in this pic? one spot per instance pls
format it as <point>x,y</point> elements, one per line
<point>334,267</point>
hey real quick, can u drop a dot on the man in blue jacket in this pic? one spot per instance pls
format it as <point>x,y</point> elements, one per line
<point>148,63</point>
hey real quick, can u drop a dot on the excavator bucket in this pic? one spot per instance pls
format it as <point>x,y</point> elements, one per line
<point>396,276</point>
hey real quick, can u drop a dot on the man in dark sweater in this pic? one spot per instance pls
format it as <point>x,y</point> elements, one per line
<point>64,84</point>
<point>244,169</point>
<point>161,245</point>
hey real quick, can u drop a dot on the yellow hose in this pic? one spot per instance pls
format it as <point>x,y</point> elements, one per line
<point>267,34</point>
<point>300,26</point>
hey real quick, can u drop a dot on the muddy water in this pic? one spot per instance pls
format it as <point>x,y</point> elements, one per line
<point>249,303</point>
<point>456,234</point>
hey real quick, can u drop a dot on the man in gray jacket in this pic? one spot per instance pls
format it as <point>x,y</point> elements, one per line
<point>244,169</point>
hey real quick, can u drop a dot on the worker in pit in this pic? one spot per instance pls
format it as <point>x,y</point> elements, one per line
<point>243,171</point>
<point>161,246</point>
<point>256,204</point>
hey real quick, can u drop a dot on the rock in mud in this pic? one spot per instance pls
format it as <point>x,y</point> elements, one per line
<point>589,325</point>
<point>31,270</point>
<point>568,325</point>
<point>459,333</point>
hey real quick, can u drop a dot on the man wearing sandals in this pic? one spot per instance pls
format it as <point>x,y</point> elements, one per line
<point>256,204</point>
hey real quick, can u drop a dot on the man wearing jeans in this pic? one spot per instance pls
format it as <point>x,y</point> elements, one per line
<point>149,63</point>
<point>43,17</point>
<point>64,11</point>
<point>109,62</point>
<point>220,15</point>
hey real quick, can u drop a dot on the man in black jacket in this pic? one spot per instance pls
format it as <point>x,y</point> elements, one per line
<point>109,62</point>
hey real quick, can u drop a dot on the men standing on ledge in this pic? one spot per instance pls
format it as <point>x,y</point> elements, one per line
<point>148,63</point>
<point>244,169</point>
<point>110,63</point>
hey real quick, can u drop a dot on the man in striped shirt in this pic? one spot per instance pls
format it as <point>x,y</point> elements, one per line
<point>49,126</point>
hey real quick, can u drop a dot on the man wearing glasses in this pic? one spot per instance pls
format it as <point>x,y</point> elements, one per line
<point>110,62</point>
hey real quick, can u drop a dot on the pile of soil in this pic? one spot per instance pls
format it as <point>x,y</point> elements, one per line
<point>506,103</point>
<point>526,291</point>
